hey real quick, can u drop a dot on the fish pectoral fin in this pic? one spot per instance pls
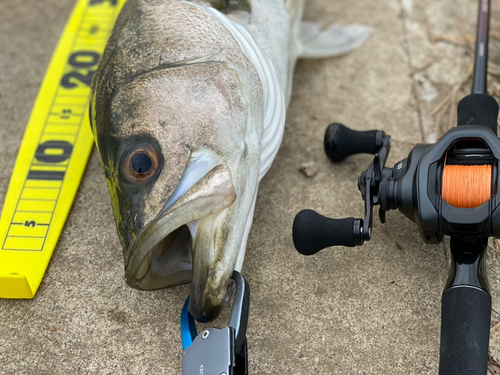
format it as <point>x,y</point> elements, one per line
<point>236,5</point>
<point>334,41</point>
<point>228,6</point>
<point>217,4</point>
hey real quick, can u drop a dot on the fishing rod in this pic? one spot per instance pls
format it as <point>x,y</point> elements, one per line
<point>449,188</point>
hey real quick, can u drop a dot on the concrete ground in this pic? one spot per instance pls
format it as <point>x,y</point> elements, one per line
<point>368,310</point>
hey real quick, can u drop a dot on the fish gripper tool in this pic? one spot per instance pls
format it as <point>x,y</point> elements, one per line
<point>218,351</point>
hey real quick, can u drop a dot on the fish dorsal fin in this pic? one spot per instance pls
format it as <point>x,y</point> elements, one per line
<point>217,4</point>
<point>236,5</point>
<point>336,40</point>
<point>228,6</point>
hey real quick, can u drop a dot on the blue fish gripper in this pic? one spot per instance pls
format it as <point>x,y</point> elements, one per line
<point>218,351</point>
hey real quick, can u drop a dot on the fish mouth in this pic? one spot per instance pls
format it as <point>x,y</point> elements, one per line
<point>161,256</point>
<point>169,262</point>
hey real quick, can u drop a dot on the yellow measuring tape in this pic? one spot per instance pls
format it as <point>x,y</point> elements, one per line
<point>54,152</point>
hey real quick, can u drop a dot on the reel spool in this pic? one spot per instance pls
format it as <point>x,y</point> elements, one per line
<point>466,186</point>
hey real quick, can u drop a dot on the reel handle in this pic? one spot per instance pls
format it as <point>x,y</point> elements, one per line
<point>313,232</point>
<point>465,331</point>
<point>340,141</point>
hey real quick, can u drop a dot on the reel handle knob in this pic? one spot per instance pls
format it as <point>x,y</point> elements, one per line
<point>313,232</point>
<point>340,141</point>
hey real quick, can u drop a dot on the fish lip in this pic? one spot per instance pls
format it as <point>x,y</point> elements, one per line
<point>205,312</point>
<point>211,195</point>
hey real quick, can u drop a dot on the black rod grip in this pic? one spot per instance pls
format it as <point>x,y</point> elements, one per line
<point>478,109</point>
<point>465,331</point>
<point>313,232</point>
<point>340,142</point>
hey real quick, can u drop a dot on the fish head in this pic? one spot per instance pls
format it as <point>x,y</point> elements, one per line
<point>174,145</point>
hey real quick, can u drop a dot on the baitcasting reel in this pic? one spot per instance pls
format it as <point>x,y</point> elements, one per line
<point>415,187</point>
<point>450,188</point>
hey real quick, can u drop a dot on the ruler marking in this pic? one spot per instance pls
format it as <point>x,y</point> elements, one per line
<point>62,124</point>
<point>35,223</point>
<point>59,192</point>
<point>44,188</point>
<point>39,173</point>
<point>25,237</point>
<point>46,175</point>
<point>74,122</point>
<point>29,229</point>
<point>62,164</point>
<point>23,250</point>
<point>41,206</point>
<point>71,95</point>
<point>67,132</point>
<point>59,113</point>
<point>95,39</point>
<point>98,17</point>
<point>79,125</point>
<point>35,212</point>
<point>40,199</point>
<point>56,96</point>
<point>43,217</point>
<point>48,167</point>
<point>50,133</point>
<point>16,249</point>
<point>65,104</point>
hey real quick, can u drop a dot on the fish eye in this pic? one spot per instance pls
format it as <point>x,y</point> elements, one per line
<point>140,163</point>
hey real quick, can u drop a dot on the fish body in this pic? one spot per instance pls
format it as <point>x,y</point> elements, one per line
<point>188,113</point>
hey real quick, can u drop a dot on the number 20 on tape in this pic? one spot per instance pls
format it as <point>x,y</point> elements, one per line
<point>54,151</point>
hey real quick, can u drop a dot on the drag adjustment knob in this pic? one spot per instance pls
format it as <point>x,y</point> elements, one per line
<point>313,232</point>
<point>340,142</point>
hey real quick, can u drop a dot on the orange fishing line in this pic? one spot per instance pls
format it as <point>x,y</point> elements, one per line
<point>466,186</point>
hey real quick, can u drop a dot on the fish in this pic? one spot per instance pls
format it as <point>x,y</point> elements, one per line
<point>188,112</point>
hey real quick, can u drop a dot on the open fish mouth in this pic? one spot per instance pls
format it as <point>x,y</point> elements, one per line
<point>169,262</point>
<point>162,255</point>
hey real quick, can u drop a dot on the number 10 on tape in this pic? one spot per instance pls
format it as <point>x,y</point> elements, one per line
<point>54,151</point>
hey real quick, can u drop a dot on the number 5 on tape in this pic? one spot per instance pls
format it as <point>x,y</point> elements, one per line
<point>54,151</point>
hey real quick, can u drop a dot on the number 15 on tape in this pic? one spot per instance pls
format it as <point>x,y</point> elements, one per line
<point>54,151</point>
